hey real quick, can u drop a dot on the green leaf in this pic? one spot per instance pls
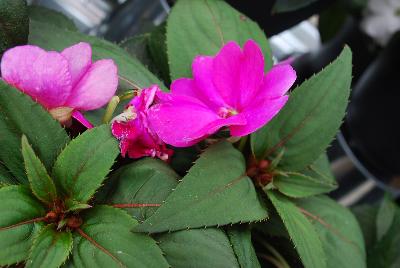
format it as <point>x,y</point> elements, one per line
<point>204,26</point>
<point>112,242</point>
<point>301,231</point>
<point>50,248</point>
<point>54,38</point>
<point>310,119</point>
<point>5,176</point>
<point>385,216</point>
<point>41,184</point>
<point>338,230</point>
<point>295,184</point>
<point>14,24</point>
<point>146,181</point>
<point>366,217</point>
<point>136,46</point>
<point>73,205</point>
<point>49,16</point>
<point>17,206</point>
<point>83,165</point>
<point>332,19</point>
<point>386,252</point>
<point>240,238</point>
<point>157,47</point>
<point>216,191</point>
<point>198,248</point>
<point>290,5</point>
<point>19,114</point>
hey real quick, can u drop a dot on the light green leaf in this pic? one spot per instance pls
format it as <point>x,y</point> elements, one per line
<point>338,231</point>
<point>17,206</point>
<point>204,26</point>
<point>301,231</point>
<point>385,216</point>
<point>19,114</point>
<point>113,244</point>
<point>198,248</point>
<point>14,24</point>
<point>50,248</point>
<point>216,191</point>
<point>290,5</point>
<point>310,119</point>
<point>83,165</point>
<point>50,16</point>
<point>146,181</point>
<point>73,205</point>
<point>240,237</point>
<point>54,38</point>
<point>41,184</point>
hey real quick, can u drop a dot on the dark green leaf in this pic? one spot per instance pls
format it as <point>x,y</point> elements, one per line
<point>331,20</point>
<point>14,24</point>
<point>290,5</point>
<point>216,191</point>
<point>5,176</point>
<point>50,248</point>
<point>136,46</point>
<point>157,47</point>
<point>49,16</point>
<point>385,216</point>
<point>198,248</point>
<point>240,237</point>
<point>146,181</point>
<point>19,114</point>
<point>41,183</point>
<point>310,119</point>
<point>17,206</point>
<point>203,26</point>
<point>83,165</point>
<point>366,217</point>
<point>338,230</point>
<point>113,244</point>
<point>301,231</point>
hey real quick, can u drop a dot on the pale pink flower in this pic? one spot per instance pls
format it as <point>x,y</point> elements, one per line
<point>64,83</point>
<point>132,130</point>
<point>230,89</point>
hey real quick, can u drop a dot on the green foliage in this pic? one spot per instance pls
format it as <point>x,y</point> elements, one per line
<point>310,119</point>
<point>113,245</point>
<point>157,47</point>
<point>83,165</point>
<point>41,183</point>
<point>338,231</point>
<point>240,238</point>
<point>17,205</point>
<point>146,181</point>
<point>14,24</point>
<point>366,217</point>
<point>301,231</point>
<point>5,176</point>
<point>45,15</point>
<point>198,248</point>
<point>385,216</point>
<point>216,191</point>
<point>50,248</point>
<point>19,114</point>
<point>201,27</point>
<point>290,5</point>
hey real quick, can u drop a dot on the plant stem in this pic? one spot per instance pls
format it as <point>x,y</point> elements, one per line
<point>22,223</point>
<point>271,260</point>
<point>112,105</point>
<point>127,95</point>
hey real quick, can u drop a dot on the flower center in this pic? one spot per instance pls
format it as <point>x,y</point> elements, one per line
<point>225,112</point>
<point>62,115</point>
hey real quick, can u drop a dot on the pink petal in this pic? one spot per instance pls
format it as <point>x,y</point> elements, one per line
<point>79,58</point>
<point>226,72</point>
<point>258,115</point>
<point>81,119</point>
<point>42,75</point>
<point>182,121</point>
<point>251,73</point>
<point>277,81</point>
<point>96,87</point>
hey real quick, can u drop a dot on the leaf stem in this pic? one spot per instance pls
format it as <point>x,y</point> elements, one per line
<point>23,223</point>
<point>129,82</point>
<point>272,260</point>
<point>112,105</point>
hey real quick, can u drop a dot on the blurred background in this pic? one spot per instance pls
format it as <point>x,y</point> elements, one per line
<point>310,33</point>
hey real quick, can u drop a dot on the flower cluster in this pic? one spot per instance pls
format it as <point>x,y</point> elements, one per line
<point>230,89</point>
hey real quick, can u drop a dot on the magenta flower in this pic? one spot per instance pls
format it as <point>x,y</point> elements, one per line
<point>131,128</point>
<point>230,89</point>
<point>64,82</point>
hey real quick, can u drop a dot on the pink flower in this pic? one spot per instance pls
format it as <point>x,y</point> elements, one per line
<point>131,128</point>
<point>65,82</point>
<point>230,89</point>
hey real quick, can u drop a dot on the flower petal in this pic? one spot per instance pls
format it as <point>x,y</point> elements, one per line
<point>277,82</point>
<point>258,115</point>
<point>81,119</point>
<point>96,87</point>
<point>79,59</point>
<point>42,75</point>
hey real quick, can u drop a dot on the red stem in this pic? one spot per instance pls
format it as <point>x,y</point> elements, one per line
<point>22,223</point>
<point>134,205</point>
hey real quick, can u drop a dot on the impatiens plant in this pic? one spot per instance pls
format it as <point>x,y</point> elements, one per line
<point>226,169</point>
